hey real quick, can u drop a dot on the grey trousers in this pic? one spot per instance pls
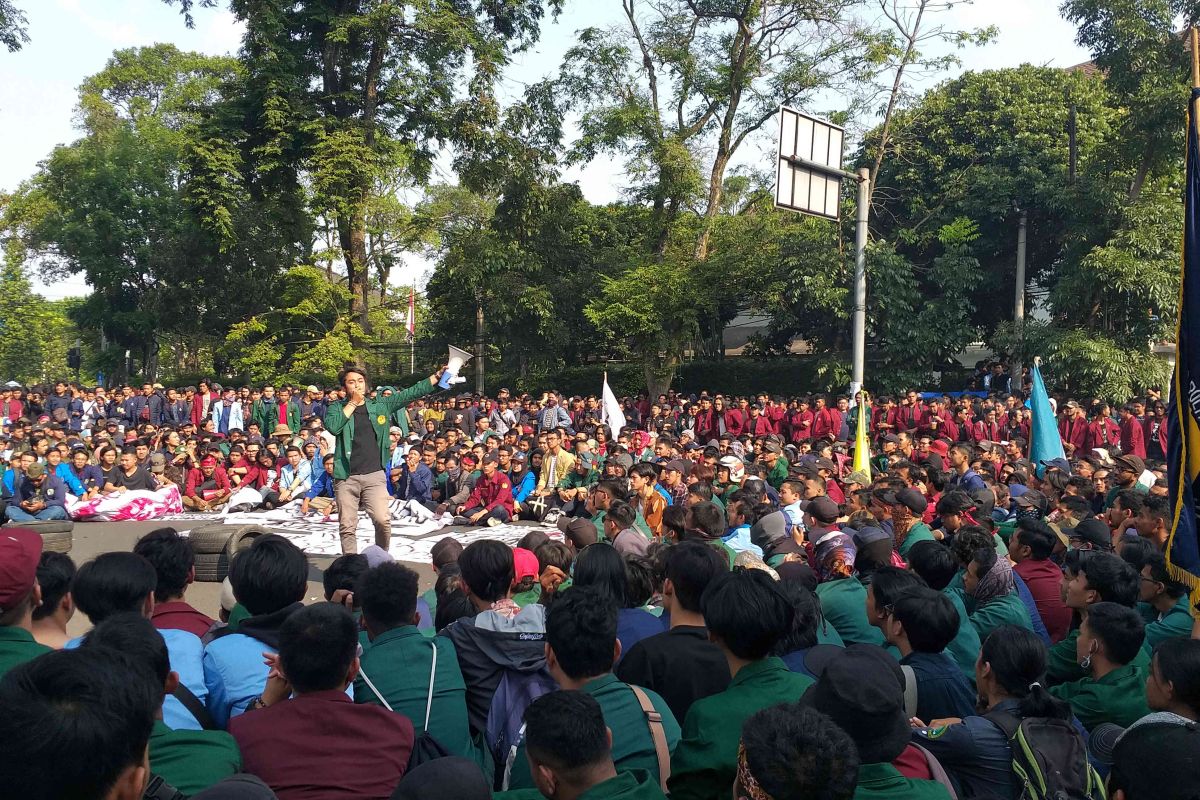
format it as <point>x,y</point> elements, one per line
<point>369,491</point>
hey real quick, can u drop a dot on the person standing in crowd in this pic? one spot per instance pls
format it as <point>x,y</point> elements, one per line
<point>360,427</point>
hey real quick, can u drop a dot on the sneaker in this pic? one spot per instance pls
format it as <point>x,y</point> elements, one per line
<point>493,522</point>
<point>552,516</point>
<point>461,521</point>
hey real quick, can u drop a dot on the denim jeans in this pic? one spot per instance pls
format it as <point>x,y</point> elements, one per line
<point>18,514</point>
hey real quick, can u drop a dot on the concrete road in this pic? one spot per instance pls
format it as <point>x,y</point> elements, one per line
<point>93,538</point>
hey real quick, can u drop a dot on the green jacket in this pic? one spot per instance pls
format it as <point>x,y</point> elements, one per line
<point>17,646</point>
<point>398,663</point>
<point>917,533</point>
<point>192,760</point>
<point>844,604</point>
<point>1062,664</point>
<point>1119,697</point>
<point>632,745</point>
<point>964,647</point>
<point>626,786</point>
<point>380,412</point>
<point>778,473</point>
<point>884,782</point>
<point>705,762</point>
<point>267,416</point>
<point>1007,610</point>
<point>1176,623</point>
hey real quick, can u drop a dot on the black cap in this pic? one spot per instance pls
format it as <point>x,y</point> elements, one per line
<point>823,510</point>
<point>912,499</point>
<point>1093,531</point>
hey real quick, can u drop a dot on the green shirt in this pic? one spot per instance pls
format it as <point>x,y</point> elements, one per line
<point>1006,610</point>
<point>16,647</point>
<point>964,647</point>
<point>1176,623</point>
<point>778,473</point>
<point>844,604</point>
<point>398,664</point>
<point>705,762</point>
<point>1062,664</point>
<point>917,533</point>
<point>1119,697</point>
<point>379,411</point>
<point>884,782</point>
<point>632,745</point>
<point>192,760</point>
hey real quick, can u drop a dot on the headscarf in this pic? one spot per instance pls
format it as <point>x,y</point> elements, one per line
<point>998,582</point>
<point>902,522</point>
<point>746,780</point>
<point>833,557</point>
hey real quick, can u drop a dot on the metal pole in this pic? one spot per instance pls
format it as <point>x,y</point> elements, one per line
<point>479,349</point>
<point>860,281</point>
<point>1019,297</point>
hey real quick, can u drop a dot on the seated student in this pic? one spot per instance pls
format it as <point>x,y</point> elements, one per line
<point>303,736</point>
<point>920,623</point>
<point>619,530</point>
<point>399,660</point>
<point>935,564</point>
<point>55,574</point>
<point>1114,690</point>
<point>1091,577</point>
<point>681,664</point>
<point>843,596</point>
<point>499,638</point>
<point>1155,761</point>
<point>1030,548</point>
<point>174,563</point>
<point>20,595</point>
<point>805,637</point>
<point>793,751</point>
<point>569,750</point>
<point>860,690</point>
<point>603,568</point>
<point>444,553</point>
<point>1009,675</point>
<point>115,583</point>
<point>320,496</point>
<point>581,647</point>
<point>988,580</point>
<point>93,721</point>
<point>269,579</point>
<point>1164,603</point>
<point>491,501</point>
<point>746,614</point>
<point>1173,685</point>
<point>187,760</point>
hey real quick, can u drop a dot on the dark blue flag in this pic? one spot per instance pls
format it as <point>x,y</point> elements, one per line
<point>1183,418</point>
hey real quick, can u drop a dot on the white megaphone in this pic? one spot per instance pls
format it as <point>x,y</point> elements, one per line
<point>454,363</point>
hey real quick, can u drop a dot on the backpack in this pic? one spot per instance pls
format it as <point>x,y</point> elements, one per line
<point>1049,758</point>
<point>506,716</point>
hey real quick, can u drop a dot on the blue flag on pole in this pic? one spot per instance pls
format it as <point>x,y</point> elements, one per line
<point>1183,417</point>
<point>1044,441</point>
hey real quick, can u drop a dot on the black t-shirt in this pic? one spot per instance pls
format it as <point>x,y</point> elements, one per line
<point>140,479</point>
<point>681,664</point>
<point>364,450</point>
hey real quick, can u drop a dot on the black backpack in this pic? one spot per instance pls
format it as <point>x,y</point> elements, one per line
<point>1049,758</point>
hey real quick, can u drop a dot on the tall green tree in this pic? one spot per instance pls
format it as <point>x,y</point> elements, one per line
<point>13,31</point>
<point>341,93</point>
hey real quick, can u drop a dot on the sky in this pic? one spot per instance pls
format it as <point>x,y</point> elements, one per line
<point>72,39</point>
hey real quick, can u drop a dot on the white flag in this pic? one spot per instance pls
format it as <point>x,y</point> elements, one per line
<point>612,415</point>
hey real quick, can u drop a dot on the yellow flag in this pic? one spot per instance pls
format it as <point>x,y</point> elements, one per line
<point>862,446</point>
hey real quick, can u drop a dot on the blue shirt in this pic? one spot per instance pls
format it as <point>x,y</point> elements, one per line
<point>64,473</point>
<point>975,753</point>
<point>1031,606</point>
<point>739,539</point>
<point>942,690</point>
<point>322,486</point>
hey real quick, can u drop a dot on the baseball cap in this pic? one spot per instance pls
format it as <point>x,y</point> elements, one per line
<point>20,551</point>
<point>912,499</point>
<point>822,509</point>
<point>1093,531</point>
<point>868,534</point>
<point>491,457</point>
<point>892,438</point>
<point>525,564</point>
<point>1057,463</point>
<point>679,465</point>
<point>35,470</point>
<point>158,463</point>
<point>825,464</point>
<point>772,446</point>
<point>1132,462</point>
<point>1031,498</point>
<point>622,460</point>
<point>859,477</point>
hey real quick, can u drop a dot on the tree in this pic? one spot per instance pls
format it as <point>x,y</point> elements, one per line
<point>13,33</point>
<point>342,92</point>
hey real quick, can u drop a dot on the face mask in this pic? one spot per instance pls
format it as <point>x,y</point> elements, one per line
<point>1028,513</point>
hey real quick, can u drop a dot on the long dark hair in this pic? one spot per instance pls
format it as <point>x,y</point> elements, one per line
<point>601,566</point>
<point>1018,661</point>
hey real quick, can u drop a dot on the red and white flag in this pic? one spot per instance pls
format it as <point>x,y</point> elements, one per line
<point>412,314</point>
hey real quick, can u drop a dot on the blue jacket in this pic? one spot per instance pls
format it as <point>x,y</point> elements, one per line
<point>234,671</point>
<point>322,485</point>
<point>64,473</point>
<point>53,492</point>
<point>527,485</point>
<point>416,485</point>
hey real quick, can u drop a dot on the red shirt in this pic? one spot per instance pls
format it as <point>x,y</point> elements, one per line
<point>1043,579</point>
<point>322,745</point>
<point>179,616</point>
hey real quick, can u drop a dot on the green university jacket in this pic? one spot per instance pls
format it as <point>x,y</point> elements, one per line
<point>1119,697</point>
<point>705,762</point>
<point>380,410</point>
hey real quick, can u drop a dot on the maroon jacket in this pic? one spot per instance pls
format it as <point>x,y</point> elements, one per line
<point>1133,438</point>
<point>179,616</point>
<point>198,414</point>
<point>1074,432</point>
<point>735,423</point>
<point>1103,432</point>
<point>1043,579</point>
<point>323,745</point>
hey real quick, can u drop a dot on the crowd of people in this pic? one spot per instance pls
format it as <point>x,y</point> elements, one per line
<point>715,604</point>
